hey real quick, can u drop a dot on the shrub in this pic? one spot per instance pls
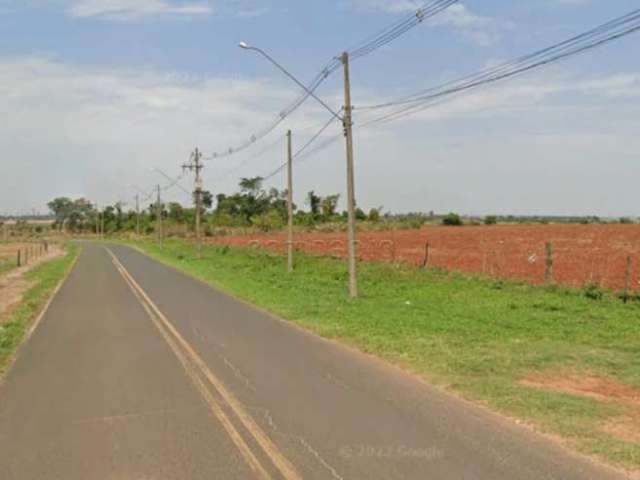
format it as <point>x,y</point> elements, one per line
<point>268,221</point>
<point>593,291</point>
<point>374,215</point>
<point>490,220</point>
<point>453,219</point>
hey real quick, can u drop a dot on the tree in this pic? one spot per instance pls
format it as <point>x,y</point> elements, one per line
<point>314,201</point>
<point>452,219</point>
<point>328,205</point>
<point>374,215</point>
<point>251,186</point>
<point>176,212</point>
<point>490,220</point>
<point>61,207</point>
<point>207,199</point>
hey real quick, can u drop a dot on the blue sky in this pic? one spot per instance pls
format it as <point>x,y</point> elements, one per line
<point>94,93</point>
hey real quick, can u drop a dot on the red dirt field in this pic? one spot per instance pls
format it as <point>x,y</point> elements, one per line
<point>583,254</point>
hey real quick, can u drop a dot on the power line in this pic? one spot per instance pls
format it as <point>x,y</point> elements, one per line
<point>596,37</point>
<point>605,33</point>
<point>301,150</point>
<point>382,38</point>
<point>398,29</point>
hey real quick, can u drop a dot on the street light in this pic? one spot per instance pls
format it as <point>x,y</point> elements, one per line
<point>347,123</point>
<point>246,46</point>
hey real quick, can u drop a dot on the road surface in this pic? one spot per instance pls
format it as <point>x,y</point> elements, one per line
<point>138,372</point>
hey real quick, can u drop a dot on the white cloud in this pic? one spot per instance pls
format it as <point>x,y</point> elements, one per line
<point>81,129</point>
<point>134,9</point>
<point>481,30</point>
<point>547,144</point>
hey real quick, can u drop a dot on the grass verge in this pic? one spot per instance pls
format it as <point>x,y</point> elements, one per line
<point>477,337</point>
<point>44,279</point>
<point>6,265</point>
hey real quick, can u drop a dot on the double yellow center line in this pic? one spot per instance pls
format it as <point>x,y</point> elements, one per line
<point>204,380</point>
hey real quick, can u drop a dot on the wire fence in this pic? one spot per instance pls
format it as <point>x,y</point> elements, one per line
<point>20,255</point>
<point>605,256</point>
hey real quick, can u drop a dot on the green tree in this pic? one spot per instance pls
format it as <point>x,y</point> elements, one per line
<point>61,207</point>
<point>452,219</point>
<point>328,206</point>
<point>374,215</point>
<point>176,212</point>
<point>314,202</point>
<point>207,199</point>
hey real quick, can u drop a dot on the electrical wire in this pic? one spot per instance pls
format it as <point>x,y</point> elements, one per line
<point>398,29</point>
<point>371,44</point>
<point>301,151</point>
<point>608,32</point>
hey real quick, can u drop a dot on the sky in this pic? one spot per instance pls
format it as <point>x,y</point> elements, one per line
<point>95,94</point>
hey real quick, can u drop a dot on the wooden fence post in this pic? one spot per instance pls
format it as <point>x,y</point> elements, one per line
<point>19,259</point>
<point>627,278</point>
<point>427,255</point>
<point>548,273</point>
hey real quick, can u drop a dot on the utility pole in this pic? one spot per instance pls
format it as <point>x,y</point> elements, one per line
<point>102,226</point>
<point>348,132</point>
<point>290,202</point>
<point>159,219</point>
<point>195,165</point>
<point>98,221</point>
<point>138,215</point>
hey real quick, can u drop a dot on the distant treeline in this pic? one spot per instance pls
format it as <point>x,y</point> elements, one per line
<point>253,207</point>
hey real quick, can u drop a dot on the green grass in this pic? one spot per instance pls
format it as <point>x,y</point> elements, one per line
<point>6,265</point>
<point>44,279</point>
<point>474,336</point>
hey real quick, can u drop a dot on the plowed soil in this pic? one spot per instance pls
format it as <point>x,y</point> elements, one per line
<point>582,254</point>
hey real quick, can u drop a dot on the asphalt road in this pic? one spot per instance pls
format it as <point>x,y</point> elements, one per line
<point>138,372</point>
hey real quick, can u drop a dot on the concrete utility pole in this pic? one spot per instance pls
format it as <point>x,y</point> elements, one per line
<point>138,215</point>
<point>290,202</point>
<point>351,203</point>
<point>195,165</point>
<point>159,219</point>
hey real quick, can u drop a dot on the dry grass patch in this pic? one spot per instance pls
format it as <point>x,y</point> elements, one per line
<point>14,284</point>
<point>602,389</point>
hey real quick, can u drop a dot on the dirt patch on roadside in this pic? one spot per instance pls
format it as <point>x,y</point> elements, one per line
<point>14,284</point>
<point>599,388</point>
<point>625,428</point>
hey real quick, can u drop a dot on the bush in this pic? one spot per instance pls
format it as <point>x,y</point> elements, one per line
<point>374,215</point>
<point>593,291</point>
<point>268,221</point>
<point>453,219</point>
<point>490,220</point>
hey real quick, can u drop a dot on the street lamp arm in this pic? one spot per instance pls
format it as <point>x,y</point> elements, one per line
<point>290,75</point>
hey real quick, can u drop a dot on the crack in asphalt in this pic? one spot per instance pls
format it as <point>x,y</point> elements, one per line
<point>266,414</point>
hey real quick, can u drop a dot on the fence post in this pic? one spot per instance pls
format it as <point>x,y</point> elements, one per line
<point>627,278</point>
<point>19,259</point>
<point>427,255</point>
<point>548,273</point>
